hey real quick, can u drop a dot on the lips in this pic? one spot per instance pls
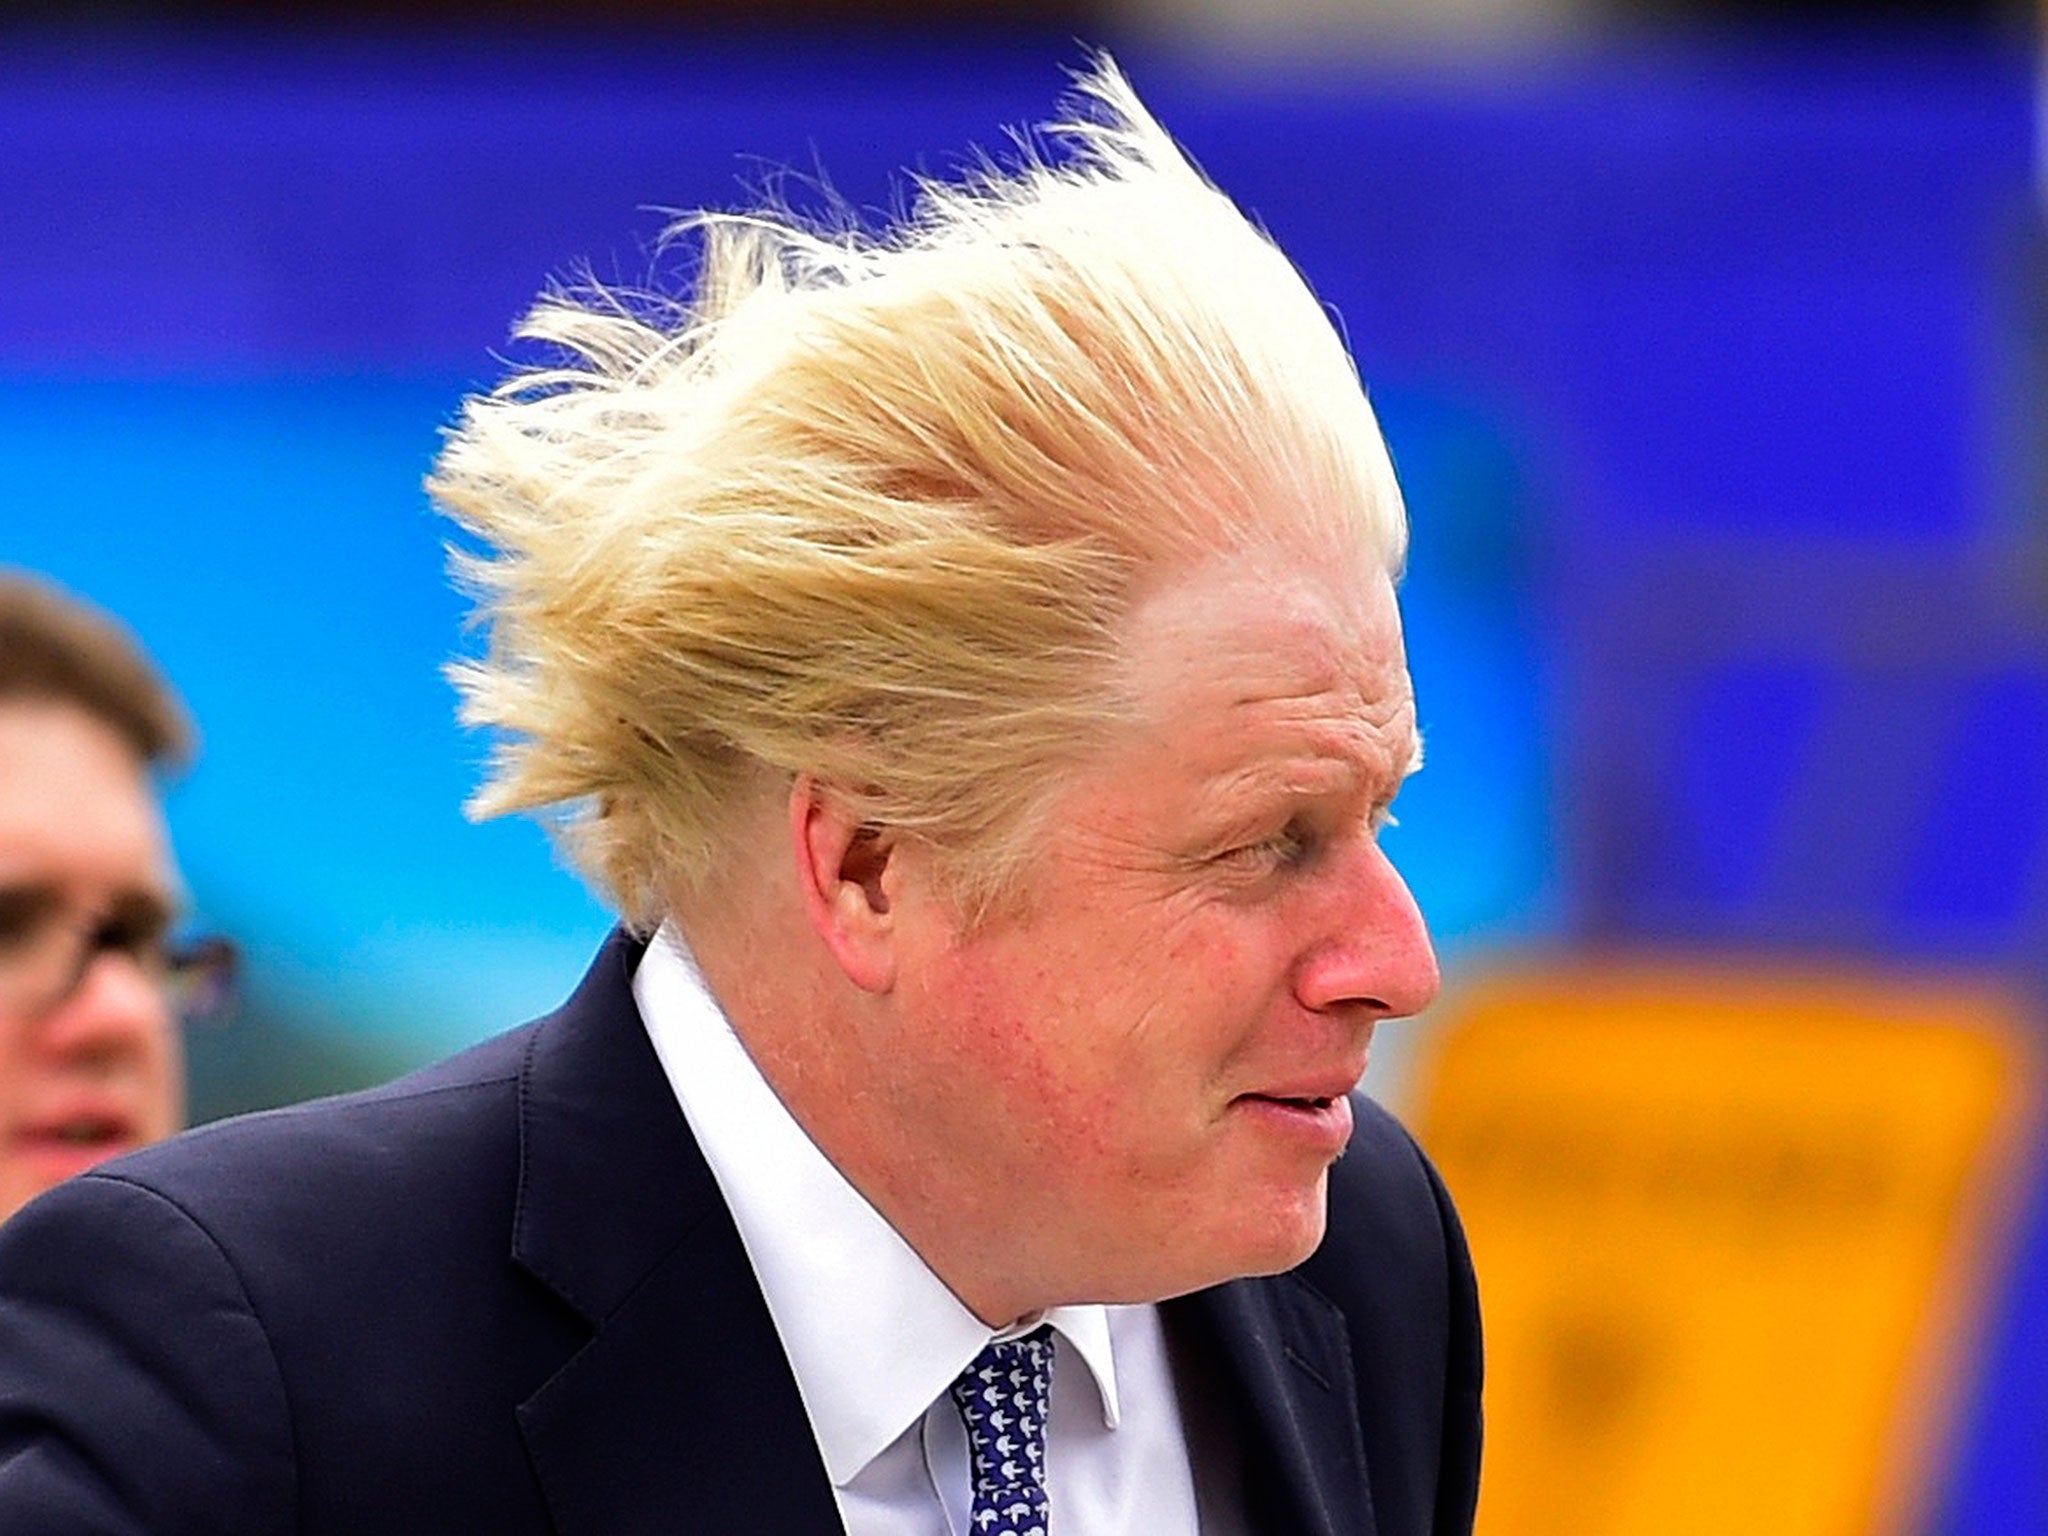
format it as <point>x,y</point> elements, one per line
<point>82,1131</point>
<point>1316,1090</point>
<point>1298,1101</point>
<point>1314,1117</point>
<point>66,1140</point>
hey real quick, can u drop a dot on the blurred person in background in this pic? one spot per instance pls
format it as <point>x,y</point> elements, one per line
<point>91,984</point>
<point>969,659</point>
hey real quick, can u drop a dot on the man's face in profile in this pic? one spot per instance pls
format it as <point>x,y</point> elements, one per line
<point>89,1054</point>
<point>1150,1057</point>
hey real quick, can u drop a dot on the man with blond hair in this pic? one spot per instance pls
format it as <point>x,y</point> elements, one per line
<point>968,658</point>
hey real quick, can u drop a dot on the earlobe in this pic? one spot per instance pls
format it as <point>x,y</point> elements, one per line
<point>843,873</point>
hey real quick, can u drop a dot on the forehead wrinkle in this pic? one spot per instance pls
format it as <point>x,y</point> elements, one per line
<point>1315,758</point>
<point>1338,715</point>
<point>1326,671</point>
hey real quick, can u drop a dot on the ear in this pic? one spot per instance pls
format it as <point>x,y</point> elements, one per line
<point>843,868</point>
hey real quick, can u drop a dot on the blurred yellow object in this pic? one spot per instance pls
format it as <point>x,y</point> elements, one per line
<point>1734,1228</point>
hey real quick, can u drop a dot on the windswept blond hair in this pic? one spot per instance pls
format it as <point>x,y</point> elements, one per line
<point>873,507</point>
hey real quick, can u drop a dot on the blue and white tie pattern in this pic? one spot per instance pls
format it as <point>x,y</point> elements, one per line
<point>1002,1399</point>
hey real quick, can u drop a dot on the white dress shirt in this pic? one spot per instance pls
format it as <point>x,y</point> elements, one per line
<point>874,1338</point>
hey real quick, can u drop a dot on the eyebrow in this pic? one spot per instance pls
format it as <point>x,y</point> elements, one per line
<point>135,908</point>
<point>1316,773</point>
<point>28,902</point>
<point>139,911</point>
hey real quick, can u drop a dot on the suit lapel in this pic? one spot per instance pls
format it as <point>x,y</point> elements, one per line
<point>1285,1365</point>
<point>680,1413</point>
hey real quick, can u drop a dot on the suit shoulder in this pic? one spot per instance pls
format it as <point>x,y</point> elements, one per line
<point>1394,1262</point>
<point>1390,1218</point>
<point>1384,1162</point>
<point>354,1151</point>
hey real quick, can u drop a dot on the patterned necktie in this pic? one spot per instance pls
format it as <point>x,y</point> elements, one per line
<point>1002,1401</point>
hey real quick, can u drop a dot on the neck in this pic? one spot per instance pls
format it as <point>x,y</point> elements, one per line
<point>823,1046</point>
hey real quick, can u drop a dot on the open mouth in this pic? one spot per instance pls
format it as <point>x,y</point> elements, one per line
<point>1293,1103</point>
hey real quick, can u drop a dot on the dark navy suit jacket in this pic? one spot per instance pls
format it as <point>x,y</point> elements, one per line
<point>503,1296</point>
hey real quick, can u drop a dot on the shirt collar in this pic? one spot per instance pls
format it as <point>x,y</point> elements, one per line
<point>873,1336</point>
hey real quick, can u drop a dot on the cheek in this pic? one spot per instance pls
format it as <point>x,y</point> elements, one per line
<point>1030,1070</point>
<point>1154,1007</point>
<point>1206,991</point>
<point>169,1088</point>
<point>1109,1041</point>
<point>1024,1031</point>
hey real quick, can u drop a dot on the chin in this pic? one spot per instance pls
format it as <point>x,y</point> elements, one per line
<point>1295,1247</point>
<point>1277,1234</point>
<point>1260,1231</point>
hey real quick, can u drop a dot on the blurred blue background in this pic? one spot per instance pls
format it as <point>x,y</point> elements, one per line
<point>1710,360</point>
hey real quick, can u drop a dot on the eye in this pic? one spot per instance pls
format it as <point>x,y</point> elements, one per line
<point>26,913</point>
<point>1289,848</point>
<point>126,937</point>
<point>137,926</point>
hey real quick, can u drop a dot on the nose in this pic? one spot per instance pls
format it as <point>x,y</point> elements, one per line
<point>117,1015</point>
<point>1374,955</point>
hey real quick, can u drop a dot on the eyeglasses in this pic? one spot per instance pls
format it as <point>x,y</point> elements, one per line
<point>46,955</point>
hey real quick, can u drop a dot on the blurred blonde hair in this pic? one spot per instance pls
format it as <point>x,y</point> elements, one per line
<point>57,648</point>
<point>874,507</point>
